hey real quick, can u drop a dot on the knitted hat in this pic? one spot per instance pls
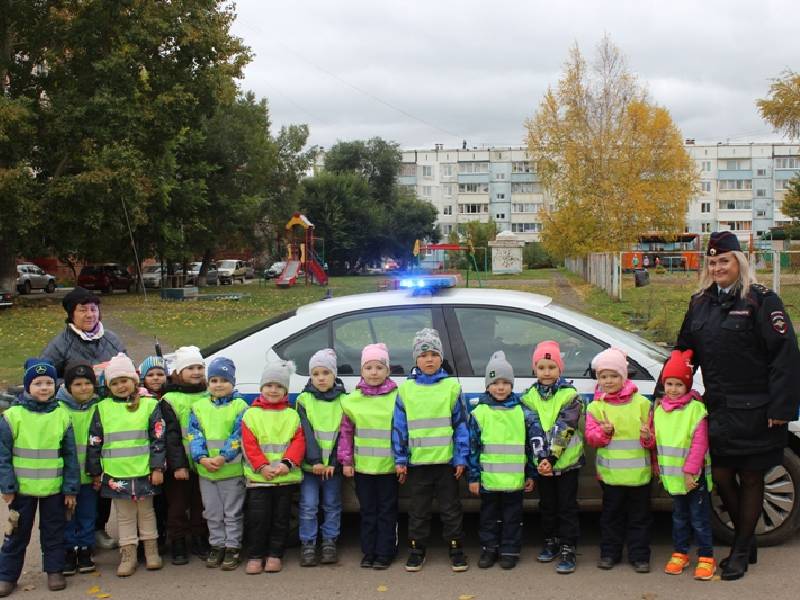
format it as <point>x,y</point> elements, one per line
<point>78,296</point>
<point>426,340</point>
<point>222,367</point>
<point>187,356</point>
<point>278,371</point>
<point>499,368</point>
<point>38,367</point>
<point>78,369</point>
<point>721,242</point>
<point>325,358</point>
<point>549,350</point>
<point>120,366</point>
<point>152,362</point>
<point>377,352</point>
<point>611,359</point>
<point>679,366</point>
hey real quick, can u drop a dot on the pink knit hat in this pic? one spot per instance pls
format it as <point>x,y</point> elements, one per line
<point>377,352</point>
<point>549,350</point>
<point>120,366</point>
<point>611,359</point>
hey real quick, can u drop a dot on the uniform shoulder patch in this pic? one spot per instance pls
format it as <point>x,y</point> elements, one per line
<point>760,289</point>
<point>778,321</point>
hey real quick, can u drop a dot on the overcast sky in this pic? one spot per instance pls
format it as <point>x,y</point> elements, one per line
<point>439,71</point>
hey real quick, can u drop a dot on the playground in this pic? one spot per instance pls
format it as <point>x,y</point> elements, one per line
<point>302,260</point>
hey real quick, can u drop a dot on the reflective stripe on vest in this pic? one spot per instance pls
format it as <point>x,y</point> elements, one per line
<point>548,411</point>
<point>38,465</point>
<point>216,422</point>
<point>674,432</point>
<point>274,430</point>
<point>429,410</point>
<point>126,439</point>
<point>372,443</point>
<point>181,404</point>
<point>502,457</point>
<point>623,461</point>
<point>325,418</point>
<point>81,422</point>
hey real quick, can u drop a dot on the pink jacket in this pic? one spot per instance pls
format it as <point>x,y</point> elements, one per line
<point>595,435</point>
<point>347,430</point>
<point>697,451</point>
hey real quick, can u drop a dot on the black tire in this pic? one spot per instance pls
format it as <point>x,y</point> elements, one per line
<point>781,514</point>
<point>51,287</point>
<point>26,288</point>
<point>109,289</point>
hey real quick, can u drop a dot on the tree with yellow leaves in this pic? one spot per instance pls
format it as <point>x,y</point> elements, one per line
<point>782,108</point>
<point>613,162</point>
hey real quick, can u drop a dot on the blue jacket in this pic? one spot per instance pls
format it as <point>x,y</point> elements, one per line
<point>458,420</point>
<point>233,445</point>
<point>476,445</point>
<point>69,452</point>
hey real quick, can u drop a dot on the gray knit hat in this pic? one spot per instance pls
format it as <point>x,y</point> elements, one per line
<point>426,340</point>
<point>325,358</point>
<point>499,368</point>
<point>277,371</point>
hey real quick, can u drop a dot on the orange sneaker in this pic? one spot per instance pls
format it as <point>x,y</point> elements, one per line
<point>677,563</point>
<point>255,566</point>
<point>705,569</point>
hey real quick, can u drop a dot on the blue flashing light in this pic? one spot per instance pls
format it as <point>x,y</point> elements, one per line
<point>428,284</point>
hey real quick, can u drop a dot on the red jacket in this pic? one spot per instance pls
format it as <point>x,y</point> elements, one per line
<point>252,449</point>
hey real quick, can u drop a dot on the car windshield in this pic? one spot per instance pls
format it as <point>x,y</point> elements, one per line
<point>152,269</point>
<point>228,264</point>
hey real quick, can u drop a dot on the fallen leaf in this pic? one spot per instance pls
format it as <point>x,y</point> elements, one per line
<point>383,588</point>
<point>466,597</point>
<point>93,590</point>
<point>649,596</point>
<point>28,587</point>
<point>103,595</point>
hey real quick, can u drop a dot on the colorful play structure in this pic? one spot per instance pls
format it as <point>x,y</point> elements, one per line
<point>300,254</point>
<point>437,251</point>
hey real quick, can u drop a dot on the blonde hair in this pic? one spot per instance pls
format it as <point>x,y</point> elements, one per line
<point>747,276</point>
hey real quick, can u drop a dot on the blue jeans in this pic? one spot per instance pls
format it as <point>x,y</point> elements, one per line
<point>330,490</point>
<point>80,530</point>
<point>692,514</point>
<point>51,535</point>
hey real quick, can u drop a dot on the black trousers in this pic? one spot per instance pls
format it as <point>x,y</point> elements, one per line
<point>426,482</point>
<point>626,514</point>
<point>184,507</point>
<point>501,522</point>
<point>103,513</point>
<point>52,522</point>
<point>558,506</point>
<point>377,501</point>
<point>267,519</point>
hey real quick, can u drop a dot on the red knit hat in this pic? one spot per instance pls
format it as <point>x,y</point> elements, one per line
<point>679,366</point>
<point>549,350</point>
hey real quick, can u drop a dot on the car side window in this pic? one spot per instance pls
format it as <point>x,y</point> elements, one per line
<point>486,330</point>
<point>301,348</point>
<point>393,327</point>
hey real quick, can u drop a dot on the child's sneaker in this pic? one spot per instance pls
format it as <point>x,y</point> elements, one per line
<point>566,564</point>
<point>487,559</point>
<point>508,561</point>
<point>308,554</point>
<point>381,563</point>
<point>416,558</point>
<point>231,560</point>
<point>328,553</point>
<point>85,562</point>
<point>70,562</point>
<point>367,561</point>
<point>458,561</point>
<point>549,551</point>
<point>215,556</point>
<point>705,569</point>
<point>255,566</point>
<point>677,563</point>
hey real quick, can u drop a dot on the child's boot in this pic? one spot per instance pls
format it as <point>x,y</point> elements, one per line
<point>308,554</point>
<point>549,551</point>
<point>487,559</point>
<point>127,561</point>
<point>255,566</point>
<point>416,557</point>
<point>329,555</point>
<point>152,559</point>
<point>705,569</point>
<point>56,582</point>
<point>6,587</point>
<point>677,563</point>
<point>566,563</point>
<point>274,565</point>
<point>458,561</point>
<point>508,561</point>
<point>70,562</point>
<point>231,560</point>
<point>215,557</point>
<point>180,555</point>
<point>200,546</point>
<point>85,562</point>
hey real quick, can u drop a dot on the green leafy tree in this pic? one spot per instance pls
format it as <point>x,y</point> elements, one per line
<point>410,219</point>
<point>791,201</point>
<point>375,159</point>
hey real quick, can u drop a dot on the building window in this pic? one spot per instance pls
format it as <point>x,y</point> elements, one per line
<point>735,184</point>
<point>523,187</point>
<point>472,209</point>
<point>522,166</point>
<point>761,213</point>
<point>762,193</point>
<point>705,186</point>
<point>447,210</point>
<point>446,169</point>
<point>782,184</point>
<point>473,167</point>
<point>787,163</point>
<point>735,204</point>
<point>500,216</point>
<point>501,196</point>
<point>473,188</point>
<point>447,190</point>
<point>526,208</point>
<point>761,172</point>
<point>705,227</point>
<point>705,207</point>
<point>738,225</point>
<point>408,170</point>
<point>706,165</point>
<point>426,191</point>
<point>526,227</point>
<point>737,165</point>
<point>427,171</point>
<point>445,228</point>
<point>499,176</point>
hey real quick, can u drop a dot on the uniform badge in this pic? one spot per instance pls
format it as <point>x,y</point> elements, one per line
<point>778,320</point>
<point>712,251</point>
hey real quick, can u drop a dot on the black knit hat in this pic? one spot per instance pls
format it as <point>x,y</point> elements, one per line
<point>78,296</point>
<point>721,242</point>
<point>78,369</point>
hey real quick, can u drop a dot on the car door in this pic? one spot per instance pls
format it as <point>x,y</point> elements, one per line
<point>39,277</point>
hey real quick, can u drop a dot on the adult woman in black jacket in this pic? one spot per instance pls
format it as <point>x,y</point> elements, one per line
<point>745,344</point>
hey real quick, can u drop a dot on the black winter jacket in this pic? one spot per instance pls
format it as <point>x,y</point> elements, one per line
<point>68,346</point>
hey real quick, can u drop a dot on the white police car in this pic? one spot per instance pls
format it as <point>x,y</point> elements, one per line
<point>473,323</point>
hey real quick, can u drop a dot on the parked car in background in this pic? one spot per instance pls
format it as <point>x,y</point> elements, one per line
<point>274,270</point>
<point>212,275</point>
<point>6,299</point>
<point>106,278</point>
<point>30,277</point>
<point>230,270</point>
<point>151,276</point>
<point>249,269</point>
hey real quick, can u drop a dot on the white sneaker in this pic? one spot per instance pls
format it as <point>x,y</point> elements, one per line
<point>104,541</point>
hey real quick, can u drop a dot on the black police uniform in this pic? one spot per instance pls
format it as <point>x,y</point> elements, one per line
<point>747,350</point>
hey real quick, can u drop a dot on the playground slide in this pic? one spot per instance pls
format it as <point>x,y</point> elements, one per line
<point>289,275</point>
<point>320,276</point>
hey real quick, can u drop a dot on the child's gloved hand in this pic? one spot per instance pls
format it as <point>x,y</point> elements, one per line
<point>475,488</point>
<point>348,471</point>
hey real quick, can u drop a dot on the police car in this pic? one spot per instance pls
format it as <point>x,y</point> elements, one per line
<point>474,323</point>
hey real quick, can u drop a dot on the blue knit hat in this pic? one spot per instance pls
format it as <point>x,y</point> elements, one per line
<point>152,362</point>
<point>222,367</point>
<point>38,367</point>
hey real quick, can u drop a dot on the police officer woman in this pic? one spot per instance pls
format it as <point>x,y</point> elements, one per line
<point>746,346</point>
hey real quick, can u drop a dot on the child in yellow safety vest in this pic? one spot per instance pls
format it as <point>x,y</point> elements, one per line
<point>680,436</point>
<point>558,449</point>
<point>215,443</point>
<point>38,466</point>
<point>365,452</point>
<point>126,459</point>
<point>273,444</point>
<point>500,464</point>
<point>617,425</point>
<point>320,410</point>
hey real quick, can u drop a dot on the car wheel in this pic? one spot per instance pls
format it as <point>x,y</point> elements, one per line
<point>26,288</point>
<point>109,289</point>
<point>779,515</point>
<point>51,287</point>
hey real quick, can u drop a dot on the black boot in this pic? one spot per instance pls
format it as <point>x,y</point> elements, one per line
<point>736,563</point>
<point>200,546</point>
<point>180,555</point>
<point>752,557</point>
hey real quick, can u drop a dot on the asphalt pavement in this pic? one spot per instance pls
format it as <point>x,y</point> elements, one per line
<point>776,576</point>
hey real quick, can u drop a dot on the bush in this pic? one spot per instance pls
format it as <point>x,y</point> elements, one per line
<point>534,256</point>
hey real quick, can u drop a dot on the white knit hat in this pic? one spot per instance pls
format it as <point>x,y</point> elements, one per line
<point>325,358</point>
<point>187,356</point>
<point>120,366</point>
<point>278,371</point>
